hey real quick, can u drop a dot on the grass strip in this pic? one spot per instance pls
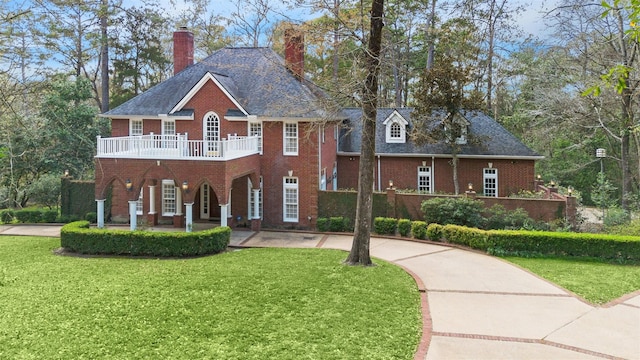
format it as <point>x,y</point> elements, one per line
<point>595,281</point>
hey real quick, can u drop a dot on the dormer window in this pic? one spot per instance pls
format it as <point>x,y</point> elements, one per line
<point>396,128</point>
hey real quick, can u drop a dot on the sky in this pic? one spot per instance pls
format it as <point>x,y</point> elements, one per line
<point>531,20</point>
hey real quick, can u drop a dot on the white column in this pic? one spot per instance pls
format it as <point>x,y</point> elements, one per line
<point>152,199</point>
<point>178,201</point>
<point>189,216</point>
<point>133,217</point>
<point>100,210</point>
<point>256,204</point>
<point>223,215</point>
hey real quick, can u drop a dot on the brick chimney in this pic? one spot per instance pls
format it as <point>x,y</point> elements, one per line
<point>294,51</point>
<point>182,49</point>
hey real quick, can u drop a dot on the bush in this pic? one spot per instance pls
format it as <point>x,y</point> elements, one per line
<point>434,232</point>
<point>404,227</point>
<point>631,229</point>
<point>616,216</point>
<point>385,226</point>
<point>28,216</point>
<point>453,210</point>
<point>419,230</point>
<point>322,224</point>
<point>333,224</point>
<point>49,216</point>
<point>498,217</point>
<point>338,224</point>
<point>91,217</point>
<point>7,216</point>
<point>78,237</point>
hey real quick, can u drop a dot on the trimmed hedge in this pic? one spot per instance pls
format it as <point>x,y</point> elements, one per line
<point>334,224</point>
<point>78,237</point>
<point>385,225</point>
<point>517,242</point>
<point>404,227</point>
<point>28,216</point>
<point>419,230</point>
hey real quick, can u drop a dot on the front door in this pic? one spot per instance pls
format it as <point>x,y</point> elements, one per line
<point>205,203</point>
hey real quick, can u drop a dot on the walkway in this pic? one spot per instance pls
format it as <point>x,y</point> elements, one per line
<point>476,306</point>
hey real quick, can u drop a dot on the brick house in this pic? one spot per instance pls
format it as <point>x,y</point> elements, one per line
<point>239,137</point>
<point>495,162</point>
<point>242,138</point>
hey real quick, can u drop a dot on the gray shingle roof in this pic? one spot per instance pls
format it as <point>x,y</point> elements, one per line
<point>256,77</point>
<point>494,140</point>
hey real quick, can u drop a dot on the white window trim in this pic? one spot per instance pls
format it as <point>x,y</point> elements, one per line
<point>167,183</point>
<point>396,118</point>
<point>140,203</point>
<point>164,126</point>
<point>137,121</point>
<point>250,200</point>
<point>486,176</point>
<point>284,139</point>
<point>289,186</point>
<point>259,124</point>
<point>429,176</point>
<point>213,142</point>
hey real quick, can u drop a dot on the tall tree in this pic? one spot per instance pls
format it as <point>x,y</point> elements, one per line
<point>441,99</point>
<point>140,60</point>
<point>359,254</point>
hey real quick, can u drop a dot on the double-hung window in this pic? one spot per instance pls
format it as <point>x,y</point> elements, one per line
<point>168,198</point>
<point>290,197</point>
<point>255,129</point>
<point>290,136</point>
<point>135,127</point>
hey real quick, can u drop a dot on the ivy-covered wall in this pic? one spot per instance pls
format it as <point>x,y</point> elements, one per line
<point>77,198</point>
<point>343,203</point>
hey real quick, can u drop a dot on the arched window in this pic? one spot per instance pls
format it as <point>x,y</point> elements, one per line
<point>211,132</point>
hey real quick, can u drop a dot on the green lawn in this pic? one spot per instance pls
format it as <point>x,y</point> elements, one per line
<point>595,281</point>
<point>248,304</point>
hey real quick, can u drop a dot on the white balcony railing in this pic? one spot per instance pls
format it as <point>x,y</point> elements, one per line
<point>176,147</point>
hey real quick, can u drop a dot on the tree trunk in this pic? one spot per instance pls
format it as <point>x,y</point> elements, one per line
<point>104,57</point>
<point>359,254</point>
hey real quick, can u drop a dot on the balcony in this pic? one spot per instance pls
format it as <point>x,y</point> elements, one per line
<point>177,147</point>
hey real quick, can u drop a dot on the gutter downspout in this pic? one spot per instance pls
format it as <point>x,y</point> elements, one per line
<point>379,171</point>
<point>433,173</point>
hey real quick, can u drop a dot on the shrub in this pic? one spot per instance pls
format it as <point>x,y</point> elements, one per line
<point>615,216</point>
<point>404,227</point>
<point>462,235</point>
<point>453,210</point>
<point>49,216</point>
<point>322,224</point>
<point>78,237</point>
<point>419,229</point>
<point>385,226</point>
<point>498,217</point>
<point>338,224</point>
<point>28,216</point>
<point>7,216</point>
<point>631,229</point>
<point>91,217</point>
<point>434,232</point>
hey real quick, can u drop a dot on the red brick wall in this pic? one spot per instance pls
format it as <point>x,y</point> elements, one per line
<point>513,175</point>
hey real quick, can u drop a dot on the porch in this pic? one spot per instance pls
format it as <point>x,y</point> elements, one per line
<point>176,147</point>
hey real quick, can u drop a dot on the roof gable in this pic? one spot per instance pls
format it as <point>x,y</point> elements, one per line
<point>206,78</point>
